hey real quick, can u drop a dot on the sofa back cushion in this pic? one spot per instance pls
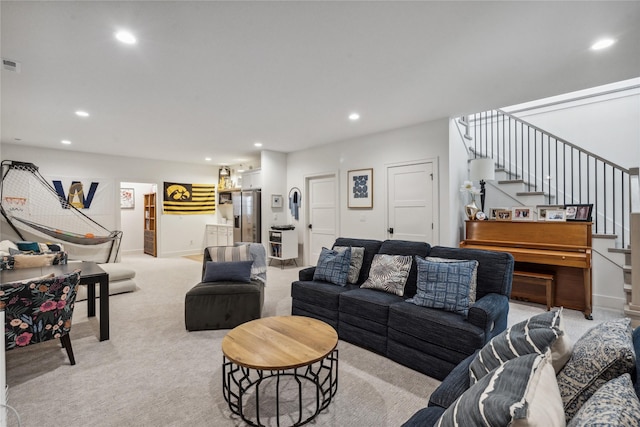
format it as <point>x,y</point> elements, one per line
<point>371,247</point>
<point>495,269</point>
<point>405,247</point>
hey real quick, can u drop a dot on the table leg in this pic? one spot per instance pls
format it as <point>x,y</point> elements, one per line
<point>104,307</point>
<point>91,299</point>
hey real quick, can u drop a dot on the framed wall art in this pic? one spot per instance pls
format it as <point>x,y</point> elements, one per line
<point>276,200</point>
<point>127,198</point>
<point>360,188</point>
<point>579,212</point>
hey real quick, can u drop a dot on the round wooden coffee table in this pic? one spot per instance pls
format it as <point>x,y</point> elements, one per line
<point>275,348</point>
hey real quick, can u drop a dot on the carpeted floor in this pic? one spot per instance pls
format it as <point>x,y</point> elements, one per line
<point>152,372</point>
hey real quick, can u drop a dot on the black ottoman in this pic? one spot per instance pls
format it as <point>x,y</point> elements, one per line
<point>222,305</point>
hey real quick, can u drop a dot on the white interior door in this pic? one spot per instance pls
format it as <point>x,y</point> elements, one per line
<point>410,190</point>
<point>322,215</point>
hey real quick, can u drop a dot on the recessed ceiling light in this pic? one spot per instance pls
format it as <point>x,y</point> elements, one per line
<point>81,113</point>
<point>354,116</point>
<point>208,159</point>
<point>126,37</point>
<point>65,142</point>
<point>602,44</point>
<point>240,170</point>
<point>258,144</point>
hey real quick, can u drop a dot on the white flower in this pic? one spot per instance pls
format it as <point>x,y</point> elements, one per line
<point>467,187</point>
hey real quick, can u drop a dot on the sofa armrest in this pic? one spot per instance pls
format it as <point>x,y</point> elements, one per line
<point>454,384</point>
<point>306,274</point>
<point>490,313</point>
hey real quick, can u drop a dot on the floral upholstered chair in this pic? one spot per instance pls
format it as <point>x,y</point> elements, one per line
<point>39,309</point>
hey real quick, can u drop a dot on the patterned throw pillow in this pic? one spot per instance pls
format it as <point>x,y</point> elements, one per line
<point>523,391</point>
<point>230,253</point>
<point>444,285</point>
<point>474,276</point>
<point>603,353</point>
<point>357,256</point>
<point>534,335</point>
<point>615,404</point>
<point>388,273</point>
<point>333,266</point>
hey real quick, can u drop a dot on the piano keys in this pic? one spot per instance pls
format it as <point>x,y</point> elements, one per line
<point>562,249</point>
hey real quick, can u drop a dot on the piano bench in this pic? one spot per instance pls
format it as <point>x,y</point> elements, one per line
<point>523,280</point>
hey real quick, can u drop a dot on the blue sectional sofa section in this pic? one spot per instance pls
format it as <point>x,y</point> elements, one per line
<point>431,341</point>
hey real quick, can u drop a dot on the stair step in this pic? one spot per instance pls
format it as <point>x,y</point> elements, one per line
<point>620,250</point>
<point>511,181</point>
<point>531,193</point>
<point>627,288</point>
<point>605,236</point>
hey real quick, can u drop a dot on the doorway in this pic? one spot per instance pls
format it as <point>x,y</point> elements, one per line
<point>322,209</point>
<point>132,219</point>
<point>411,211</point>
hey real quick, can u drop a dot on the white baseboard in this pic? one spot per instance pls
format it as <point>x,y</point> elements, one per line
<point>605,301</point>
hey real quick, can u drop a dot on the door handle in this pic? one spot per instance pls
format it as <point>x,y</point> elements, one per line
<point>390,230</point>
<point>310,227</point>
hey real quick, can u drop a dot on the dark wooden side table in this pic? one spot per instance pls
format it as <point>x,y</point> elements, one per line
<point>90,275</point>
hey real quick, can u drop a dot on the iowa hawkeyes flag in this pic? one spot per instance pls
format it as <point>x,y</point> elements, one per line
<point>189,199</point>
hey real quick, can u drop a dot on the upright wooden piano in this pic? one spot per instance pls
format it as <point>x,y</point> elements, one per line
<point>560,249</point>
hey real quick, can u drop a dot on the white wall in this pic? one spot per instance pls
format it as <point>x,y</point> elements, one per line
<point>177,234</point>
<point>273,167</point>
<point>429,140</point>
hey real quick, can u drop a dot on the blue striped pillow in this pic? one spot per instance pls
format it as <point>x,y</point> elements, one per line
<point>333,266</point>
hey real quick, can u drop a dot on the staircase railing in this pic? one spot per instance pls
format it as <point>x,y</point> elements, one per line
<point>563,172</point>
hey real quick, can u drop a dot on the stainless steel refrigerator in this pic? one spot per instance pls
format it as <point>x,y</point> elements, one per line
<point>246,216</point>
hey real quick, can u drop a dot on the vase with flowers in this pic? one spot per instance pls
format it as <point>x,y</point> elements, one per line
<point>470,209</point>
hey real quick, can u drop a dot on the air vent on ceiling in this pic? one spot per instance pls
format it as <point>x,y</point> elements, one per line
<point>10,65</point>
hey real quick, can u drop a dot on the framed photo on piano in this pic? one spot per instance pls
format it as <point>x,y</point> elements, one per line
<point>557,215</point>
<point>580,212</point>
<point>542,210</point>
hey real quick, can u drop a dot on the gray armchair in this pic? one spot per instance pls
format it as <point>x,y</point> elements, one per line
<point>232,288</point>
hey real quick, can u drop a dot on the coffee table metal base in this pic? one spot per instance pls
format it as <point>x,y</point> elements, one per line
<point>237,381</point>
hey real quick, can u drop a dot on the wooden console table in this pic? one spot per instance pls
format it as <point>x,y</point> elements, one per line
<point>560,249</point>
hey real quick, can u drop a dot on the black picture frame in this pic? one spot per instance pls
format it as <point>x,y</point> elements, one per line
<point>579,212</point>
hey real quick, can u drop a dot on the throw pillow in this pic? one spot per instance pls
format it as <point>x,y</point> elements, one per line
<point>534,335</point>
<point>444,285</point>
<point>6,244</point>
<point>333,266</point>
<point>615,404</point>
<point>28,246</point>
<point>357,257</point>
<point>521,392</point>
<point>28,261</point>
<point>388,273</point>
<point>474,276</point>
<point>230,253</point>
<point>604,352</point>
<point>237,271</point>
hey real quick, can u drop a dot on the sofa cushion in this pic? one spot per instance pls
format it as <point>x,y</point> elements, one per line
<point>444,285</point>
<point>368,304</point>
<point>237,271</point>
<point>388,273</point>
<point>604,352</point>
<point>440,333</point>
<point>357,256</point>
<point>321,294</point>
<point>407,248</point>
<point>523,391</point>
<point>333,266</point>
<point>371,247</point>
<point>615,404</point>
<point>533,335</point>
<point>495,269</point>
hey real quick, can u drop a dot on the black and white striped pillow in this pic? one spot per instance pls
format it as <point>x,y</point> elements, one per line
<point>534,335</point>
<point>523,391</point>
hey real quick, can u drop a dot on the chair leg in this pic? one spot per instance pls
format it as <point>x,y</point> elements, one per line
<point>66,343</point>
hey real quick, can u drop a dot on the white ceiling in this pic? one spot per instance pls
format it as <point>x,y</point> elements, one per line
<point>211,78</point>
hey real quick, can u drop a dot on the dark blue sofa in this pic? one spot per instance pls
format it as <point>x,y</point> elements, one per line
<point>428,340</point>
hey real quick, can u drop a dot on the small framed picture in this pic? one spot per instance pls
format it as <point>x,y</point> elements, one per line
<point>360,188</point>
<point>579,212</point>
<point>127,198</point>
<point>503,215</point>
<point>522,213</point>
<point>542,210</point>
<point>492,212</point>
<point>276,200</point>
<point>558,215</point>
